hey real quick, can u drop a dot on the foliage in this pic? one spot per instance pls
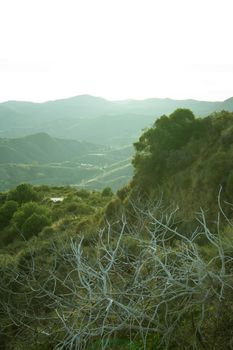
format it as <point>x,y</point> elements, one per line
<point>107,192</point>
<point>34,224</point>
<point>127,271</point>
<point>23,193</point>
<point>26,211</point>
<point>133,285</point>
<point>123,192</point>
<point>187,159</point>
<point>6,212</point>
<point>82,193</point>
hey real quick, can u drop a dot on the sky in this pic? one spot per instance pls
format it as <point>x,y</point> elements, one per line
<point>116,49</point>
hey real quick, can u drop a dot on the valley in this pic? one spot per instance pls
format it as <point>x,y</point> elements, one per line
<point>80,141</point>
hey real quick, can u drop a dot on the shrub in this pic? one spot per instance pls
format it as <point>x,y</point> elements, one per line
<point>23,193</point>
<point>46,232</point>
<point>34,224</point>
<point>84,209</point>
<point>123,192</point>
<point>72,207</point>
<point>151,292</point>
<point>83,193</point>
<point>6,212</point>
<point>107,192</point>
<point>113,208</point>
<point>27,210</point>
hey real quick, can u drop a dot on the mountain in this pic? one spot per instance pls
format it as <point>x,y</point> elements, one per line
<point>44,149</point>
<point>80,140</point>
<point>94,119</point>
<point>226,105</point>
<point>42,159</point>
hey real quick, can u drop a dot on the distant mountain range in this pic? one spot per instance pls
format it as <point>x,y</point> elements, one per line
<point>84,140</point>
<point>94,119</point>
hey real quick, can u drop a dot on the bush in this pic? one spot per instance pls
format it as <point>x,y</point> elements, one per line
<point>107,192</point>
<point>23,193</point>
<point>6,212</point>
<point>34,224</point>
<point>72,207</point>
<point>162,292</point>
<point>27,210</point>
<point>83,193</point>
<point>113,208</point>
<point>84,209</point>
<point>123,192</point>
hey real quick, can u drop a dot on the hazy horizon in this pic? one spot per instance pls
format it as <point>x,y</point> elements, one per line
<point>114,100</point>
<point>125,49</point>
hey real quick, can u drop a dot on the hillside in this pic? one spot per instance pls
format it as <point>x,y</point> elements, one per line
<point>135,270</point>
<point>188,161</point>
<point>114,176</point>
<point>93,119</point>
<point>43,148</point>
<point>42,159</point>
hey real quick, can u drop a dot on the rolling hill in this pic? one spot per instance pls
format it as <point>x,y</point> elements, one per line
<point>83,140</point>
<point>94,119</point>
<point>42,159</point>
<point>43,148</point>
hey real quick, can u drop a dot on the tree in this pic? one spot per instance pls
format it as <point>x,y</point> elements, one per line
<point>23,193</point>
<point>168,134</point>
<point>34,224</point>
<point>26,211</point>
<point>7,211</point>
<point>107,192</point>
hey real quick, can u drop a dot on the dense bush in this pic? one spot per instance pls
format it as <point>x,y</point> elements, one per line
<point>23,193</point>
<point>6,212</point>
<point>107,192</point>
<point>26,211</point>
<point>187,159</point>
<point>34,224</point>
<point>140,285</point>
<point>82,193</point>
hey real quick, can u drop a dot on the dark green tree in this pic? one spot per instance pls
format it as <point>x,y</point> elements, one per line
<point>26,211</point>
<point>107,192</point>
<point>23,193</point>
<point>34,224</point>
<point>154,147</point>
<point>7,211</point>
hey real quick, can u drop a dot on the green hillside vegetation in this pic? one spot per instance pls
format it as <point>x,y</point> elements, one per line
<point>188,160</point>
<point>127,271</point>
<point>25,210</point>
<point>43,148</point>
<point>42,159</point>
<point>105,130</point>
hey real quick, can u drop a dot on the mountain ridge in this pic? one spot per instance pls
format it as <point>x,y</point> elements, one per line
<point>83,115</point>
<point>89,96</point>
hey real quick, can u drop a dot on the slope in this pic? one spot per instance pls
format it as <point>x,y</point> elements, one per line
<point>188,161</point>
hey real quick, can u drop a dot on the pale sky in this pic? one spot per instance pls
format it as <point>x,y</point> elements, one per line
<point>117,49</point>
